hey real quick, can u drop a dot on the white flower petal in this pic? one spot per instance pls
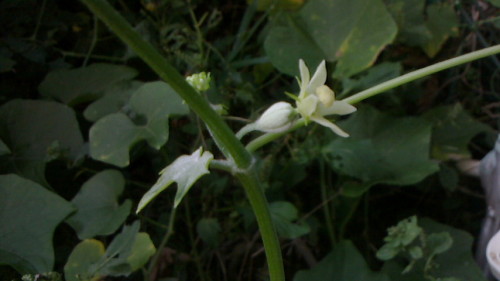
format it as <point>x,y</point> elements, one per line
<point>306,107</point>
<point>338,107</point>
<point>318,79</point>
<point>324,122</point>
<point>304,75</point>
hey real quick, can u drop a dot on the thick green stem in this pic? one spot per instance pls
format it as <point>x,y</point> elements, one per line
<point>227,142</point>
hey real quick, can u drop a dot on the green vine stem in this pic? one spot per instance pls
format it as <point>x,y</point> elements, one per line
<point>385,86</point>
<point>227,142</point>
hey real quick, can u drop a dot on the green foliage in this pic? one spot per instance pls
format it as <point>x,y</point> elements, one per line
<point>339,31</point>
<point>77,103</point>
<point>342,264</point>
<point>128,252</point>
<point>98,211</point>
<point>444,254</point>
<point>37,132</point>
<point>150,106</point>
<point>284,214</point>
<point>384,149</point>
<point>29,215</point>
<point>82,84</point>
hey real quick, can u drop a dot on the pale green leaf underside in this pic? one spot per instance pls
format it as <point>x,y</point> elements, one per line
<point>185,170</point>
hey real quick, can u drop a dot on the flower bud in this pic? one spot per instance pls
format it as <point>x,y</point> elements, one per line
<point>199,81</point>
<point>276,118</point>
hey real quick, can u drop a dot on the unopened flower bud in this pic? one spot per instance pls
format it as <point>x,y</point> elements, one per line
<point>276,118</point>
<point>199,81</point>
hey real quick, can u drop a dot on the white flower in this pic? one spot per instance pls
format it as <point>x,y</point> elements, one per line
<point>278,117</point>
<point>317,100</point>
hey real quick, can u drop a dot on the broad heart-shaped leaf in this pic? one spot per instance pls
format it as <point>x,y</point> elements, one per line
<point>29,214</point>
<point>98,211</point>
<point>185,170</point>
<point>382,149</point>
<point>151,105</point>
<point>349,32</point>
<point>453,128</point>
<point>458,261</point>
<point>113,100</point>
<point>284,214</point>
<point>37,132</point>
<point>72,86</point>
<point>128,251</point>
<point>344,263</point>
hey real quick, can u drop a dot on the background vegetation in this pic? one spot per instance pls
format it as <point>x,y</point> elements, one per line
<point>86,126</point>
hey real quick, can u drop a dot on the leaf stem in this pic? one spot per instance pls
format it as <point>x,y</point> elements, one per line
<point>225,139</point>
<point>159,250</point>
<point>426,71</point>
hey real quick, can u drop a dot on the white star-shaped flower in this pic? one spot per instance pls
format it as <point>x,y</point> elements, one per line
<point>316,100</point>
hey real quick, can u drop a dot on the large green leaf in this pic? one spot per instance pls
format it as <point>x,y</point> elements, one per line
<point>185,170</point>
<point>99,212</point>
<point>283,215</point>
<point>349,32</point>
<point>29,215</point>
<point>453,128</point>
<point>37,132</point>
<point>456,262</point>
<point>128,251</point>
<point>149,109</point>
<point>344,263</point>
<point>114,99</point>
<point>72,86</point>
<point>382,149</point>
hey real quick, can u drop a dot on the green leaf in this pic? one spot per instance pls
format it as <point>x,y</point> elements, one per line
<point>381,149</point>
<point>73,86</point>
<point>453,128</point>
<point>457,261</point>
<point>150,107</point>
<point>410,18</point>
<point>373,76</point>
<point>128,251</point>
<point>29,215</point>
<point>442,22</point>
<point>83,256</point>
<point>99,212</point>
<point>185,170</point>
<point>495,3</point>
<point>114,99</point>
<point>438,243</point>
<point>345,31</point>
<point>37,132</point>
<point>344,263</point>
<point>283,215</point>
<point>142,249</point>
<point>208,229</point>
